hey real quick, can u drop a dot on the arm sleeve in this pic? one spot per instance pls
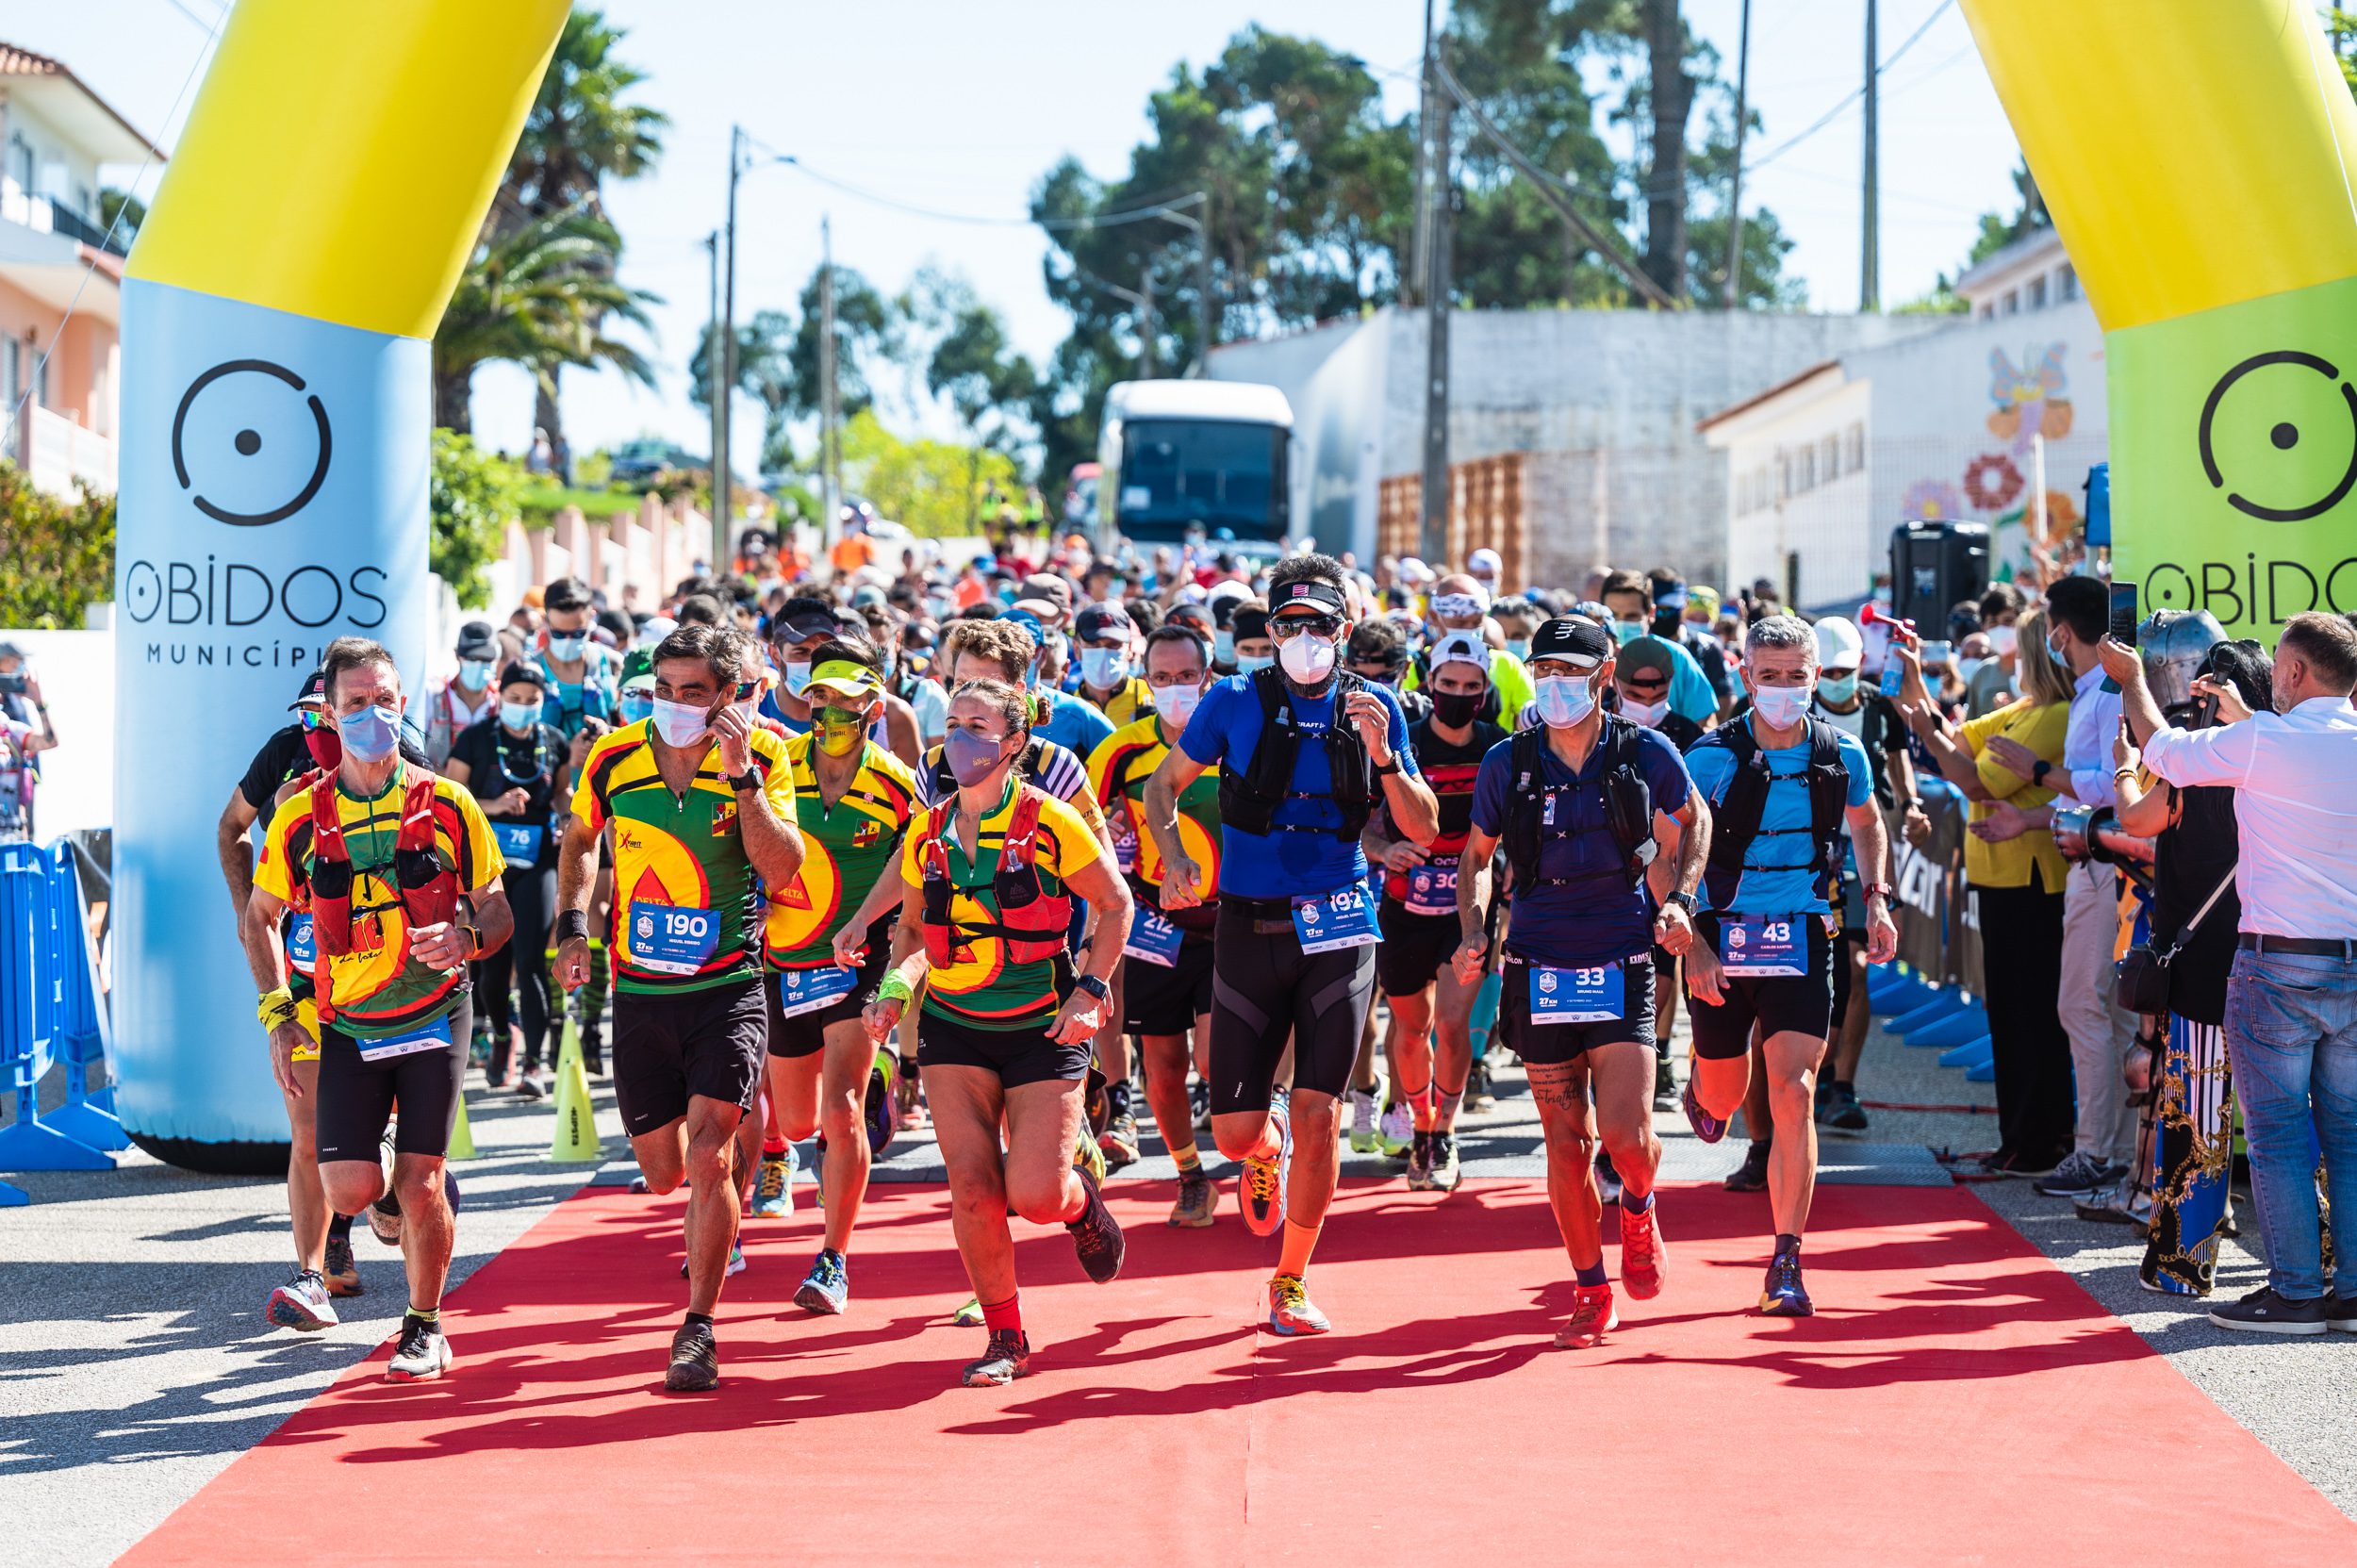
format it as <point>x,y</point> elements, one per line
<point>2219,756</point>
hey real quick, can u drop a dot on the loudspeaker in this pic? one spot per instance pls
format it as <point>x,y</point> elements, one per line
<point>1933,565</point>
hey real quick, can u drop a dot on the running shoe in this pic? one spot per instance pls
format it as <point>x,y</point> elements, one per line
<point>1260,1183</point>
<point>1198,1201</point>
<point>1481,1093</point>
<point>969,1316</point>
<point>342,1275</point>
<point>1420,1163</point>
<point>1364,1139</point>
<point>1645,1256</point>
<point>423,1353</point>
<point>1097,1238</point>
<point>479,1049</point>
<point>826,1287</point>
<point>1199,1104</point>
<point>1842,1112</point>
<point>736,1263</point>
<point>1709,1129</point>
<point>384,1217</point>
<point>773,1189</point>
<point>1119,1140</point>
<point>1289,1308</point>
<point>1665,1085</point>
<point>1397,1131</point>
<point>2120,1204</point>
<point>2078,1176</point>
<point>1446,1174</point>
<point>1751,1174</point>
<point>1608,1176</point>
<point>1593,1316</point>
<point>531,1084</point>
<point>1784,1295</point>
<point>695,1359</point>
<point>1006,1357</point>
<point>302,1304</point>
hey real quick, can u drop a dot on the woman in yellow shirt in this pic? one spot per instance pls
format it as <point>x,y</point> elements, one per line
<point>2016,878</point>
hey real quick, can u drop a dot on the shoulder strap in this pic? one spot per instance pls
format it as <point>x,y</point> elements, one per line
<point>1014,850</point>
<point>1522,806</point>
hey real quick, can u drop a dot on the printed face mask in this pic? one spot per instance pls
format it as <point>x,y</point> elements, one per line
<point>971,756</point>
<point>838,731</point>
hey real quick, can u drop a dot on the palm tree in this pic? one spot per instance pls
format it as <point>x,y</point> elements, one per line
<point>539,295</point>
<point>578,132</point>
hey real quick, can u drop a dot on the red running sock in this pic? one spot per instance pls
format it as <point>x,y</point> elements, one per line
<point>773,1148</point>
<point>1007,1315</point>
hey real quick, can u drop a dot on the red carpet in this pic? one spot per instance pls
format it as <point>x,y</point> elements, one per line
<point>1921,1417</point>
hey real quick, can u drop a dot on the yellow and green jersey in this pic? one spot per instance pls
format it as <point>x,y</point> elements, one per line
<point>984,988</point>
<point>377,990</point>
<point>1118,771</point>
<point>686,902</point>
<point>845,847</point>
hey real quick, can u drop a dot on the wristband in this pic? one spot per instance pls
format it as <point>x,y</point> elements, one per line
<point>277,1007</point>
<point>895,989</point>
<point>571,923</point>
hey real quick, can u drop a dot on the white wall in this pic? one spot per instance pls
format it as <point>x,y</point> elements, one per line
<point>76,670</point>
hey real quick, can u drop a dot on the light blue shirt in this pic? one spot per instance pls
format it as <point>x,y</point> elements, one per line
<point>1776,878</point>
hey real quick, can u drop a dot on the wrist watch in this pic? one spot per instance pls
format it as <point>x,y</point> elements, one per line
<point>1879,890</point>
<point>1093,986</point>
<point>1386,770</point>
<point>1685,902</point>
<point>2038,774</point>
<point>742,782</point>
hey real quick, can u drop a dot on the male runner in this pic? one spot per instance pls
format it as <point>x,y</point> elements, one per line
<point>578,702</point>
<point>1430,1046</point>
<point>1167,964</point>
<point>1780,786</point>
<point>1641,684</point>
<point>1583,806</point>
<point>1106,677</point>
<point>398,870</point>
<point>1308,751</point>
<point>702,804</point>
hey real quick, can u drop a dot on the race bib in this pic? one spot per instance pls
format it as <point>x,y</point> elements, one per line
<point>802,991</point>
<point>303,948</point>
<point>1763,944</point>
<point>1126,852</point>
<point>518,842</point>
<point>1432,887</point>
<point>1343,919</point>
<point>671,940</point>
<point>1578,996</point>
<point>434,1036</point>
<point>1153,939</point>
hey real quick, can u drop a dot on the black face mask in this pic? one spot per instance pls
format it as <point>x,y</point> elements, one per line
<point>1456,709</point>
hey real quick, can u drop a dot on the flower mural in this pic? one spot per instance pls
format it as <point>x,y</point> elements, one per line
<point>2032,399</point>
<point>1991,482</point>
<point>1933,500</point>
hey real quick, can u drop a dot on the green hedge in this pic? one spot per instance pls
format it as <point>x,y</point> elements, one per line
<point>56,556</point>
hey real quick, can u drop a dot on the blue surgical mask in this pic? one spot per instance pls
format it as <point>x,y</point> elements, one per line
<point>566,648</point>
<point>1520,647</point>
<point>796,675</point>
<point>636,706</point>
<point>1223,648</point>
<point>1104,669</point>
<point>372,735</point>
<point>520,715</point>
<point>1625,632</point>
<point>1563,701</point>
<point>1781,708</point>
<point>1837,690</point>
<point>1252,664</point>
<point>474,673</point>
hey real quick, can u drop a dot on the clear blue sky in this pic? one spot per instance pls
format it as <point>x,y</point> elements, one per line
<point>961,106</point>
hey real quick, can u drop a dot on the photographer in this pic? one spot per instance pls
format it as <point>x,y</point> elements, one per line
<point>2288,995</point>
<point>20,701</point>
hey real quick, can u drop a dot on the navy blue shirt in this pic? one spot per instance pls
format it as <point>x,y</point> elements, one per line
<point>1595,915</point>
<point>1287,863</point>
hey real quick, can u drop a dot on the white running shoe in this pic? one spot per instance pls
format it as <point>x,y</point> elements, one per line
<point>302,1304</point>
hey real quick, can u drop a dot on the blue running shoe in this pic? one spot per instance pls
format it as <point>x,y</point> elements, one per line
<point>1784,1295</point>
<point>773,1192</point>
<point>826,1287</point>
<point>1706,1127</point>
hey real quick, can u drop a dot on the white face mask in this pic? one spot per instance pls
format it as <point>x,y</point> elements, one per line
<point>1176,705</point>
<point>2003,639</point>
<point>1648,713</point>
<point>679,724</point>
<point>1308,658</point>
<point>1781,708</point>
<point>1966,668</point>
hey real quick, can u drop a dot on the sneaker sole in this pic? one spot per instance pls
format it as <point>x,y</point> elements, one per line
<point>987,1379</point>
<point>691,1380</point>
<point>772,1210</point>
<point>2289,1331</point>
<point>1298,1330</point>
<point>1776,1306</point>
<point>812,1299</point>
<point>290,1314</point>
<point>393,1377</point>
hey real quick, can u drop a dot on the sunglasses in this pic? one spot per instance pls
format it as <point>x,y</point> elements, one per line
<point>1289,627</point>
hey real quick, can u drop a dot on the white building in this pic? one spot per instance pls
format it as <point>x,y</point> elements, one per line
<point>1956,422</point>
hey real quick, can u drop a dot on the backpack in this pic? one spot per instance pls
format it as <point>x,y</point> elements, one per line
<point>1032,922</point>
<point>1248,797</point>
<point>1734,824</point>
<point>1628,803</point>
<point>429,889</point>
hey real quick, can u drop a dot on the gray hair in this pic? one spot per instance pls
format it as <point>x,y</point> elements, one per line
<point>1781,630</point>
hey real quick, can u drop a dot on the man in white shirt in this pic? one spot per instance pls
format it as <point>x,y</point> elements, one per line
<point>2077,611</point>
<point>2291,1003</point>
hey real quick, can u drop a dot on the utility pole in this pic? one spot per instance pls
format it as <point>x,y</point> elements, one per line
<point>723,504</point>
<point>1433,538</point>
<point>715,364</point>
<point>1733,289</point>
<point>1869,283</point>
<point>1150,324</point>
<point>829,408</point>
<point>1419,253</point>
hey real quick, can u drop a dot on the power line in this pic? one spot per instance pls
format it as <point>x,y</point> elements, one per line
<point>1835,114</point>
<point>1110,220</point>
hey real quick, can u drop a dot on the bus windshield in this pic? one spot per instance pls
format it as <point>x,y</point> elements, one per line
<point>1222,474</point>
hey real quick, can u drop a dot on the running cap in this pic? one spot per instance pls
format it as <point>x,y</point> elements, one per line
<point>847,676</point>
<point>1309,593</point>
<point>1462,647</point>
<point>1647,655</point>
<point>1840,644</point>
<point>1098,621</point>
<point>1572,638</point>
<point>476,640</point>
<point>520,672</point>
<point>314,692</point>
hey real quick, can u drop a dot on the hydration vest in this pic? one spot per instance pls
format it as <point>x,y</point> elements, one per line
<point>1628,803</point>
<point>1032,922</point>
<point>429,889</point>
<point>1249,796</point>
<point>1736,822</point>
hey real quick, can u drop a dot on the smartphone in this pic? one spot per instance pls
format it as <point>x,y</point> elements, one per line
<point>1938,655</point>
<point>2124,616</point>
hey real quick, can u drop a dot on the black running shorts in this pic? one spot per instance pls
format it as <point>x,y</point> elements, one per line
<point>1414,949</point>
<point>1265,990</point>
<point>1167,998</point>
<point>1796,1004</point>
<point>1019,1056</point>
<point>1553,1045</point>
<point>805,1033</point>
<point>670,1046</point>
<point>356,1097</point>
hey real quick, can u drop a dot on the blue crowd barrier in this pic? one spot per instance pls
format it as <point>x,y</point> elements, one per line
<point>1970,1053</point>
<point>1946,1004</point>
<point>1967,1022</point>
<point>51,1013</point>
<point>1905,991</point>
<point>1934,1016</point>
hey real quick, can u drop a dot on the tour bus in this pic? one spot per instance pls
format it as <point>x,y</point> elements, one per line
<point>1179,456</point>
